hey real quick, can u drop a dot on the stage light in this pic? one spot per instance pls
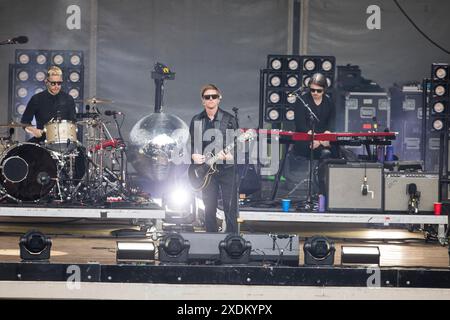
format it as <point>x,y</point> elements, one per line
<point>360,255</point>
<point>40,76</point>
<point>275,80</point>
<point>438,107</point>
<point>23,76</point>
<point>439,90</point>
<point>292,80</point>
<point>276,64</point>
<point>273,114</point>
<point>74,93</point>
<point>327,65</point>
<point>306,80</point>
<point>34,245</point>
<point>24,58</point>
<point>22,92</point>
<point>75,59</point>
<point>291,99</point>
<point>20,108</point>
<point>440,73</point>
<point>438,125</point>
<point>173,248</point>
<point>135,251</point>
<point>41,59</point>
<point>58,59</point>
<point>38,90</point>
<point>319,250</point>
<point>290,115</point>
<point>293,64</point>
<point>329,82</point>
<point>234,250</point>
<point>74,76</point>
<point>274,97</point>
<point>309,65</point>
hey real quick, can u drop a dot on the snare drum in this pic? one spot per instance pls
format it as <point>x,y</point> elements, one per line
<point>61,135</point>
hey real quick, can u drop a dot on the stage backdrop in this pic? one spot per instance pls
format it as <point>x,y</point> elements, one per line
<point>224,42</point>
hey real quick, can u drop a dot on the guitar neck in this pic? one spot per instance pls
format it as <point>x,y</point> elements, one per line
<point>216,158</point>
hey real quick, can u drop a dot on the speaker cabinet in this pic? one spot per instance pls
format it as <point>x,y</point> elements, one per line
<point>355,187</point>
<point>396,191</point>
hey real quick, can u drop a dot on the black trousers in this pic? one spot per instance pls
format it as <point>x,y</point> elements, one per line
<point>221,183</point>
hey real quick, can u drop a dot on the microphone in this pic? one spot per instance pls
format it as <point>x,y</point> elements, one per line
<point>291,94</point>
<point>11,132</point>
<point>19,39</point>
<point>112,113</point>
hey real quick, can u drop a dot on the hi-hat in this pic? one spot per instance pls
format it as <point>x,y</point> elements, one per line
<point>14,125</point>
<point>95,100</point>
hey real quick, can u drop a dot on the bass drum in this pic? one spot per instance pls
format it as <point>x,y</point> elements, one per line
<point>28,171</point>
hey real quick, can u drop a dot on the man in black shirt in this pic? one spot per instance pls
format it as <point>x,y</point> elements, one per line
<point>48,105</point>
<point>212,117</point>
<point>323,108</point>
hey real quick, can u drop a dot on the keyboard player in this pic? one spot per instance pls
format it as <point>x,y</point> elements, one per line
<point>322,106</point>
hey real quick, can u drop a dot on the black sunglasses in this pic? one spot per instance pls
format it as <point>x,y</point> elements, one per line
<point>54,83</point>
<point>316,90</point>
<point>211,96</point>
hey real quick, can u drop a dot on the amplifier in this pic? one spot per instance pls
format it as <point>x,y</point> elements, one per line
<point>396,190</point>
<point>355,187</point>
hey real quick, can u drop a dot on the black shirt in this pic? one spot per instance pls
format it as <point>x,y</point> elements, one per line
<point>45,107</point>
<point>222,121</point>
<point>324,111</point>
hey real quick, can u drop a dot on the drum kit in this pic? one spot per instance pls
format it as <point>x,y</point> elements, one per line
<point>78,162</point>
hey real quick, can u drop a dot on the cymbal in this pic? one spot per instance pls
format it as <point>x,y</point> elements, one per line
<point>14,125</point>
<point>95,100</point>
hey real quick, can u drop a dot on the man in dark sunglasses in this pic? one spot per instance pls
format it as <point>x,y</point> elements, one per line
<point>49,104</point>
<point>323,107</point>
<point>210,128</point>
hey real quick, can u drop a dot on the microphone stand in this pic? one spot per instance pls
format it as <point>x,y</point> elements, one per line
<point>312,120</point>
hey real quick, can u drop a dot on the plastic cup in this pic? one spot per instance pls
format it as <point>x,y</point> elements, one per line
<point>285,204</point>
<point>437,208</point>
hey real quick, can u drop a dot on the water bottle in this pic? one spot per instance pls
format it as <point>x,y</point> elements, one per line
<point>321,203</point>
<point>390,153</point>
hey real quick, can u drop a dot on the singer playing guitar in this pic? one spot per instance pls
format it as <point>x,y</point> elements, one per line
<point>209,128</point>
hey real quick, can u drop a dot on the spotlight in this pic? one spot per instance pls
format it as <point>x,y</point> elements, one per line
<point>75,59</point>
<point>40,76</point>
<point>293,64</point>
<point>438,125</point>
<point>309,65</point>
<point>440,73</point>
<point>20,108</point>
<point>22,92</point>
<point>23,76</point>
<point>173,248</point>
<point>329,82</point>
<point>276,64</point>
<point>234,249</point>
<point>135,251</point>
<point>292,80</point>
<point>24,58</point>
<point>58,59</point>
<point>319,250</point>
<point>327,65</point>
<point>439,90</point>
<point>38,90</point>
<point>74,76</point>
<point>360,255</point>
<point>41,59</point>
<point>291,99</point>
<point>74,93</point>
<point>290,115</point>
<point>273,114</point>
<point>306,80</point>
<point>438,107</point>
<point>34,245</point>
<point>275,80</point>
<point>274,97</point>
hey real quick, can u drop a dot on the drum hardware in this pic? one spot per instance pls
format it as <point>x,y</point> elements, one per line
<point>95,101</point>
<point>14,125</point>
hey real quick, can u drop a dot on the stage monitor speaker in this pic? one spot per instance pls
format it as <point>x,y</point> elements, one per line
<point>397,197</point>
<point>265,248</point>
<point>355,187</point>
<point>280,249</point>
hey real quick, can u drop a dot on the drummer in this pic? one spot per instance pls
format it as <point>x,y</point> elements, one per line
<point>52,104</point>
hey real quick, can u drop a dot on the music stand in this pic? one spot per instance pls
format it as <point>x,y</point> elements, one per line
<point>312,120</point>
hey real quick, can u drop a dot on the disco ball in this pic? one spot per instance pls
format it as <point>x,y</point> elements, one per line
<point>157,143</point>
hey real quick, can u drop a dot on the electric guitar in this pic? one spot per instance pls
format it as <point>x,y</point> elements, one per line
<point>200,174</point>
